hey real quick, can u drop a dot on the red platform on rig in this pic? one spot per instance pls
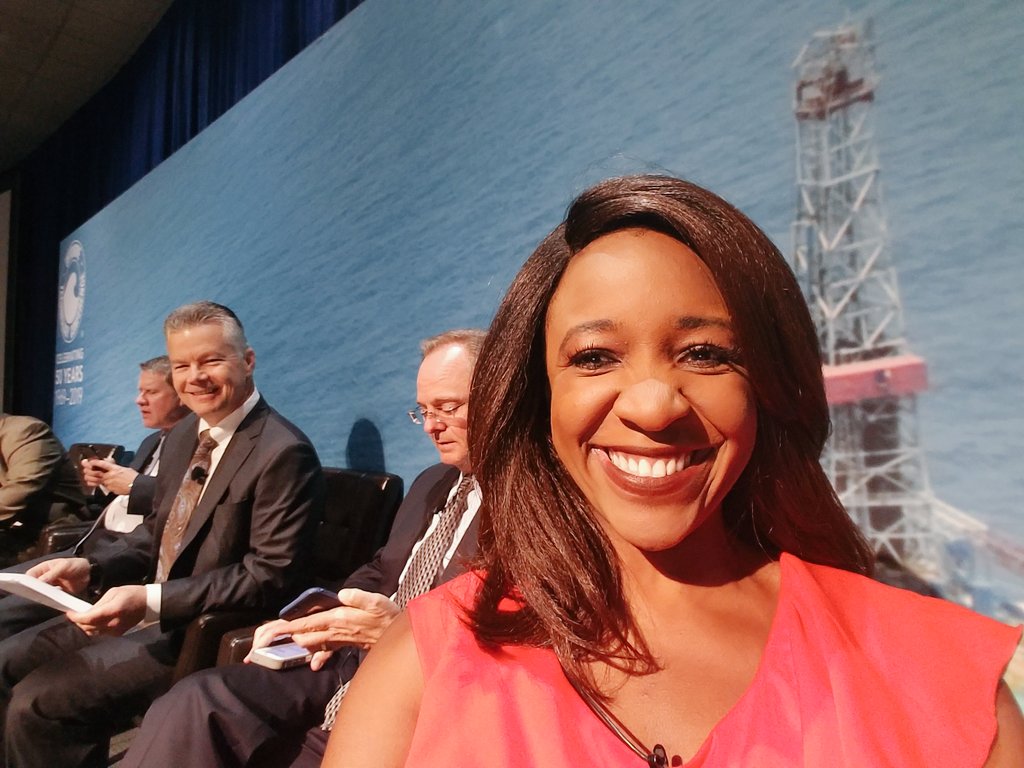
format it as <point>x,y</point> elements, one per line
<point>869,379</point>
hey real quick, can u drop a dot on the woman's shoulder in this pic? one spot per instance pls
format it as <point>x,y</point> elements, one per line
<point>460,590</point>
<point>438,618</point>
<point>859,601</point>
<point>909,674</point>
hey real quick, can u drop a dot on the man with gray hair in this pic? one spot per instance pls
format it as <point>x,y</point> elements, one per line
<point>248,715</point>
<point>238,498</point>
<point>160,409</point>
<point>129,490</point>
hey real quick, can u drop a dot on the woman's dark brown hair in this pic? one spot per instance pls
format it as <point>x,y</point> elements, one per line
<point>539,539</point>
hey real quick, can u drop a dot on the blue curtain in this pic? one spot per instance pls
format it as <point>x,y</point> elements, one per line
<point>201,59</point>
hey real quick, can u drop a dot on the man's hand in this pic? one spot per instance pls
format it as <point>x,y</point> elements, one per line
<point>359,621</point>
<point>113,477</point>
<point>69,573</point>
<point>120,609</point>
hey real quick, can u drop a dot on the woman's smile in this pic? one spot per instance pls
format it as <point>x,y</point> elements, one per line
<point>643,466</point>
<point>651,411</point>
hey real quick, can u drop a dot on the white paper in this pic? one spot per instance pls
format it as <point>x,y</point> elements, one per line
<point>32,588</point>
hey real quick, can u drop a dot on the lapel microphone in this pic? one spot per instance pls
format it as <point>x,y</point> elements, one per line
<point>199,474</point>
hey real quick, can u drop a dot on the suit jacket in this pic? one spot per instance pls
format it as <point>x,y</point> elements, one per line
<point>140,500</point>
<point>248,543</point>
<point>34,471</point>
<point>427,495</point>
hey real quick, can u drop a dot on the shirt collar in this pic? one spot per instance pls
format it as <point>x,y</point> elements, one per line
<point>227,426</point>
<point>474,488</point>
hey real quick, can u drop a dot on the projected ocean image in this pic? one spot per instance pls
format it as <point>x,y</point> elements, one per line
<point>389,182</point>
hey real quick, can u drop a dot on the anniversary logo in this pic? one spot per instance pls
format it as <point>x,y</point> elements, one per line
<point>69,370</point>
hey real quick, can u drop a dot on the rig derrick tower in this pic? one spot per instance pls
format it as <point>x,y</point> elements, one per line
<point>842,259</point>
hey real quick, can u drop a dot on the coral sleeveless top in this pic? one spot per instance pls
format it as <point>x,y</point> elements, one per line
<point>854,673</point>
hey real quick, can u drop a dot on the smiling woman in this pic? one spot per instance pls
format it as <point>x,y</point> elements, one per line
<point>666,574</point>
<point>651,413</point>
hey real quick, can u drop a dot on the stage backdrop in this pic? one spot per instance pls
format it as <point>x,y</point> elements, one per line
<point>389,181</point>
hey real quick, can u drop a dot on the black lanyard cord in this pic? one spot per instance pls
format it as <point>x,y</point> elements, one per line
<point>656,758</point>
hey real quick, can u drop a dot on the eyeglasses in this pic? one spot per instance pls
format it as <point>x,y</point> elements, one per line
<point>445,414</point>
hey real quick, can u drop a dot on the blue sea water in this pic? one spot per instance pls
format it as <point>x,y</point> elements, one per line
<point>390,180</point>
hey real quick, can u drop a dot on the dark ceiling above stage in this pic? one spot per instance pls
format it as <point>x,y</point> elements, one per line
<point>54,55</point>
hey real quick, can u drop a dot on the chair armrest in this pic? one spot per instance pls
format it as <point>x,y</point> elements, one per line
<point>202,638</point>
<point>57,537</point>
<point>235,645</point>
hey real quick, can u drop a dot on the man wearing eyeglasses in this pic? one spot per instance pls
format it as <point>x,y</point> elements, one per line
<point>249,715</point>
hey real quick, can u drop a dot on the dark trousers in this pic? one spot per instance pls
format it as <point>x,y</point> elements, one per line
<point>240,715</point>
<point>19,613</point>
<point>62,694</point>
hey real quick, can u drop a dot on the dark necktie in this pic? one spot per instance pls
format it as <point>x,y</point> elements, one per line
<point>423,570</point>
<point>184,504</point>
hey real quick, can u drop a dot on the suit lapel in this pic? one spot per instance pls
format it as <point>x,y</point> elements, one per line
<point>238,450</point>
<point>399,547</point>
<point>146,448</point>
<point>435,500</point>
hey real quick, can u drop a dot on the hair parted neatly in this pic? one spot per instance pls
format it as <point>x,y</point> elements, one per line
<point>471,339</point>
<point>539,539</point>
<point>203,312</point>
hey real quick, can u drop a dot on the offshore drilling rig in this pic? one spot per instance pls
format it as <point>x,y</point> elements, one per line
<point>841,256</point>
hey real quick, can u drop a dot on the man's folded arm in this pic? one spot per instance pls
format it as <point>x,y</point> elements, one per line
<point>141,496</point>
<point>31,458</point>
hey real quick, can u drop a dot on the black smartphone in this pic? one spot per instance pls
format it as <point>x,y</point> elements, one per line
<point>313,600</point>
<point>81,451</point>
<point>88,451</point>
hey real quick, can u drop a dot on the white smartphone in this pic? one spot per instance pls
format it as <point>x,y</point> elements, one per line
<point>281,656</point>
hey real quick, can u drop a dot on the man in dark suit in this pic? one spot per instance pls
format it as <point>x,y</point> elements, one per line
<point>129,491</point>
<point>249,715</point>
<point>238,497</point>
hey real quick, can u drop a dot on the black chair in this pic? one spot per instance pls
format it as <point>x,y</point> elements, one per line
<point>56,537</point>
<point>360,508</point>
<point>61,534</point>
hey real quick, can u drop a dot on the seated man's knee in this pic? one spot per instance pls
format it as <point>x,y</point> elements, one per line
<point>205,691</point>
<point>27,703</point>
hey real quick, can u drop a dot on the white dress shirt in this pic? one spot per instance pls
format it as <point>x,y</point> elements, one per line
<point>116,516</point>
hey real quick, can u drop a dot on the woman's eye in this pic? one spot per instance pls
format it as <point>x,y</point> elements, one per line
<point>708,356</point>
<point>590,359</point>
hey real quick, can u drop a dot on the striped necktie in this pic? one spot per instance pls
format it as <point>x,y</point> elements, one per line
<point>421,573</point>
